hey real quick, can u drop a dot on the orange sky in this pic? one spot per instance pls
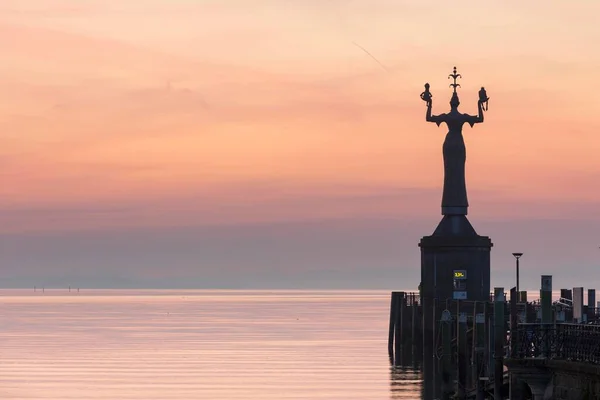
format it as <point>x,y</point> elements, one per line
<point>226,111</point>
<point>146,123</point>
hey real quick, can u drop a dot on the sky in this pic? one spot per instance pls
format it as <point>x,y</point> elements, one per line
<point>255,144</point>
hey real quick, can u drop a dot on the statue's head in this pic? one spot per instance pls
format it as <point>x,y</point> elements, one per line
<point>454,102</point>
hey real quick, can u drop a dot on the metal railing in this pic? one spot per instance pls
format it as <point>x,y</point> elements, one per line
<point>571,342</point>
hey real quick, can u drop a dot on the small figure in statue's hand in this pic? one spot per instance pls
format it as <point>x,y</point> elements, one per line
<point>426,95</point>
<point>483,98</point>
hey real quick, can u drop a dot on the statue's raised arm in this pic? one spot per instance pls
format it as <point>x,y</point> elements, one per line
<point>482,104</point>
<point>475,119</point>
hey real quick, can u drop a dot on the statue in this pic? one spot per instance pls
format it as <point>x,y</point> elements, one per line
<point>483,98</point>
<point>454,198</point>
<point>426,95</point>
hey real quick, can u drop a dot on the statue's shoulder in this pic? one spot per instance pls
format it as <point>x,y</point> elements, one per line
<point>467,117</point>
<point>458,116</point>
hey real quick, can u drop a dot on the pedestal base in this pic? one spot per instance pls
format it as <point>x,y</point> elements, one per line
<point>455,262</point>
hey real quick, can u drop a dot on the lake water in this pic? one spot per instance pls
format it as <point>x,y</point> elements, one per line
<point>198,345</point>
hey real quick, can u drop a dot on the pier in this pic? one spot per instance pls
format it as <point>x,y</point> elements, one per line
<point>472,342</point>
<point>528,345</point>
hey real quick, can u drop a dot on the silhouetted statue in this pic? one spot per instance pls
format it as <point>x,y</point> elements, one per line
<point>454,198</point>
<point>426,95</point>
<point>483,98</point>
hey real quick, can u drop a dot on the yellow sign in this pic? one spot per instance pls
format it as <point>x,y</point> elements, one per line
<point>460,274</point>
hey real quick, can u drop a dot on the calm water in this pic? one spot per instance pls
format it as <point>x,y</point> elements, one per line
<point>198,345</point>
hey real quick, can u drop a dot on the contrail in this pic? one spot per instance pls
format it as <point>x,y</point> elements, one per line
<point>370,55</point>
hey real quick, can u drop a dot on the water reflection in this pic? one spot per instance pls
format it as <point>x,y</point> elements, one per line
<point>405,382</point>
<point>199,345</point>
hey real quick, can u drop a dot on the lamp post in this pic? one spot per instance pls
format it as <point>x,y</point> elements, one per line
<point>517,256</point>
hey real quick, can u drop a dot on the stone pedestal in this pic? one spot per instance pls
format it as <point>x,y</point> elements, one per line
<point>455,262</point>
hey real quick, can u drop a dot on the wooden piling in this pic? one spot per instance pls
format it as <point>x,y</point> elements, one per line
<point>446,362</point>
<point>400,333</point>
<point>489,338</point>
<point>406,340</point>
<point>392,327</point>
<point>479,335</point>
<point>591,305</point>
<point>546,298</point>
<point>428,361</point>
<point>434,345</point>
<point>566,293</point>
<point>499,335</point>
<point>462,360</point>
<point>513,317</point>
<point>473,352</point>
<point>515,387</point>
<point>413,327</point>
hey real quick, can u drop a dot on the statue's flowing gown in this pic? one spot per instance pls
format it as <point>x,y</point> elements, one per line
<point>455,189</point>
